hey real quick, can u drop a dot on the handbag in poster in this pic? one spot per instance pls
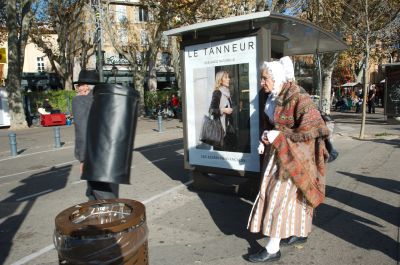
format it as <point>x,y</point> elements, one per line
<point>212,132</point>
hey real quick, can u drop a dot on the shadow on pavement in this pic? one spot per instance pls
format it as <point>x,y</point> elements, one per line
<point>24,197</point>
<point>167,157</point>
<point>394,142</point>
<point>354,229</point>
<point>357,230</point>
<point>382,183</point>
<point>231,214</point>
<point>363,203</point>
<point>21,151</point>
<point>355,118</point>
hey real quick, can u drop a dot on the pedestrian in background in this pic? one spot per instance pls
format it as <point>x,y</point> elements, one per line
<point>47,106</point>
<point>293,174</point>
<point>81,105</point>
<point>175,104</point>
<point>371,99</point>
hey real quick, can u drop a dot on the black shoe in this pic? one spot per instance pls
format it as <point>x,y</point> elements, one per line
<point>293,240</point>
<point>263,256</point>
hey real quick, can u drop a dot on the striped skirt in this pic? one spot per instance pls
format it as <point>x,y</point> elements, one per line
<point>280,209</point>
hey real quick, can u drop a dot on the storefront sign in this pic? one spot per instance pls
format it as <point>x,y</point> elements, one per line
<point>202,63</point>
<point>116,60</point>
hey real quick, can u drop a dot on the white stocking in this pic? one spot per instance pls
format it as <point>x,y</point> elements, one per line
<point>273,245</point>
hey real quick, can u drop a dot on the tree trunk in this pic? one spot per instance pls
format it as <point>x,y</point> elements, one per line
<point>16,107</point>
<point>68,82</point>
<point>326,90</point>
<point>176,60</point>
<point>364,105</point>
<point>139,86</point>
<point>329,62</point>
<point>366,75</point>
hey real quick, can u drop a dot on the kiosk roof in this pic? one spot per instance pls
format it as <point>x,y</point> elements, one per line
<point>294,36</point>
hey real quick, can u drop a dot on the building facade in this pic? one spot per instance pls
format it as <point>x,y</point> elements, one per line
<point>128,28</point>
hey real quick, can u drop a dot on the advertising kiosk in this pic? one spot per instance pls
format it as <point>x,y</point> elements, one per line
<point>392,92</point>
<point>237,45</point>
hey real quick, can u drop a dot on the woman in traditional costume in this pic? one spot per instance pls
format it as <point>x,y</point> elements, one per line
<point>293,175</point>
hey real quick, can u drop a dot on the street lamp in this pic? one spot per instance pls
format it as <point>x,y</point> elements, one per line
<point>114,71</point>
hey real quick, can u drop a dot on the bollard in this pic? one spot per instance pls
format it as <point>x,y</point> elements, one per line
<point>12,137</point>
<point>159,122</point>
<point>57,137</point>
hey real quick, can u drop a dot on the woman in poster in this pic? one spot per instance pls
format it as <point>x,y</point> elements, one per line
<point>293,181</point>
<point>221,107</point>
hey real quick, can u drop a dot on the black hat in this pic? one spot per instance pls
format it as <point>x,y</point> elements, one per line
<point>90,77</point>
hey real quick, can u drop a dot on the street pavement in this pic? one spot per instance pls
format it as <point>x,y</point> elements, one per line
<point>357,224</point>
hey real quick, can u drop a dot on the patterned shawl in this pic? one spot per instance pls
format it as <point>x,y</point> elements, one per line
<point>300,146</point>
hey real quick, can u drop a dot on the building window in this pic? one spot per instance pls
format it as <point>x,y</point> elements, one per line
<point>164,41</point>
<point>144,38</point>
<point>40,64</point>
<point>123,36</point>
<point>165,58</point>
<point>120,13</point>
<point>139,59</point>
<point>143,14</point>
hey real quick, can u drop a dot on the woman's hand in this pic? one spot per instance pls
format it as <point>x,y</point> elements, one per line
<point>264,139</point>
<point>227,110</point>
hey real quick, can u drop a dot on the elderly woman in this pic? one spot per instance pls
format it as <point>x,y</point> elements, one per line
<point>221,107</point>
<point>293,182</point>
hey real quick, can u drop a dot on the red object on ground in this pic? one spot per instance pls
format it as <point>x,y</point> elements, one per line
<point>53,119</point>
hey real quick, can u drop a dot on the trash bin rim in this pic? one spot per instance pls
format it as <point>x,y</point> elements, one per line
<point>64,225</point>
<point>114,89</point>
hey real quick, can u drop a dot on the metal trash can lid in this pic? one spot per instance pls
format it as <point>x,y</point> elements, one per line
<point>100,217</point>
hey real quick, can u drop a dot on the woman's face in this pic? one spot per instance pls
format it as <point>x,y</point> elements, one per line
<point>225,81</point>
<point>267,83</point>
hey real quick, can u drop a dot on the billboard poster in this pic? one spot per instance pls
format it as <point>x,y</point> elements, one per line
<point>392,107</point>
<point>228,66</point>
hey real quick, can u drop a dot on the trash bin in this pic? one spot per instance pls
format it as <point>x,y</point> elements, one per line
<point>111,231</point>
<point>110,136</point>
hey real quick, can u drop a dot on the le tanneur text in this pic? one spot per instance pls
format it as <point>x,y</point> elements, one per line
<point>226,48</point>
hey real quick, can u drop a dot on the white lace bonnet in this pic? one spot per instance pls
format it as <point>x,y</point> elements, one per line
<point>282,71</point>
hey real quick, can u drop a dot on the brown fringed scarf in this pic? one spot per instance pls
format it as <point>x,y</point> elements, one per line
<point>300,147</point>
